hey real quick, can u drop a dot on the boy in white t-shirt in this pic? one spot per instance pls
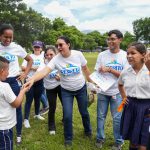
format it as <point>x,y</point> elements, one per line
<point>8,104</point>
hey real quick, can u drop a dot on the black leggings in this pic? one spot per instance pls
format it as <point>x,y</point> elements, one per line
<point>52,98</point>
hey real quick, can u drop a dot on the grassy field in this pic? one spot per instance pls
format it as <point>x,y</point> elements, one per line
<point>38,138</point>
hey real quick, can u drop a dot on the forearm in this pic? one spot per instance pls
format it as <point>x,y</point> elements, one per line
<point>122,91</point>
<point>87,73</point>
<point>29,64</point>
<point>114,72</point>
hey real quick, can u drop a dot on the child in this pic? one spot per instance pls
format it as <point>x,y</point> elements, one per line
<point>8,103</point>
<point>134,85</point>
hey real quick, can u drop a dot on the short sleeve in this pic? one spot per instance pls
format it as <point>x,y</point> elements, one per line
<point>83,60</point>
<point>21,51</point>
<point>52,63</point>
<point>120,79</point>
<point>9,94</point>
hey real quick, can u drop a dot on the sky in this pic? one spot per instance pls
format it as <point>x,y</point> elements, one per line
<point>90,15</point>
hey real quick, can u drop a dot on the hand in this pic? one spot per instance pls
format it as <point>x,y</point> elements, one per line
<point>25,88</point>
<point>22,76</point>
<point>29,83</point>
<point>104,69</point>
<point>57,77</point>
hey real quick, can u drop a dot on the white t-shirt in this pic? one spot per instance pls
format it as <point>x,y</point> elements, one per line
<point>116,61</point>
<point>37,61</point>
<point>7,112</point>
<point>136,84</point>
<point>70,68</point>
<point>11,53</point>
<point>50,81</point>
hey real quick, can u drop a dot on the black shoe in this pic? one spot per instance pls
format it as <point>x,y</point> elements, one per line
<point>99,143</point>
<point>88,134</point>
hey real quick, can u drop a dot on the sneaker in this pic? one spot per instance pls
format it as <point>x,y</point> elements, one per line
<point>18,140</point>
<point>39,117</point>
<point>44,111</point>
<point>52,132</point>
<point>117,146</point>
<point>68,143</point>
<point>99,143</point>
<point>26,123</point>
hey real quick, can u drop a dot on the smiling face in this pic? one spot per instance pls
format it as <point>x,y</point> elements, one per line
<point>7,37</point>
<point>134,57</point>
<point>113,42</point>
<point>63,47</point>
<point>49,54</point>
<point>37,50</point>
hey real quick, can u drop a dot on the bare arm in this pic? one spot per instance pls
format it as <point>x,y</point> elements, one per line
<point>147,60</point>
<point>87,73</point>
<point>17,102</point>
<point>104,69</point>
<point>37,76</point>
<point>26,69</point>
<point>122,91</point>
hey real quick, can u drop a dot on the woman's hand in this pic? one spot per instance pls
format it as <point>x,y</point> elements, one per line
<point>29,83</point>
<point>147,60</point>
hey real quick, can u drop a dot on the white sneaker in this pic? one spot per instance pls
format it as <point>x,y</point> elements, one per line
<point>52,132</point>
<point>18,140</point>
<point>39,117</point>
<point>26,123</point>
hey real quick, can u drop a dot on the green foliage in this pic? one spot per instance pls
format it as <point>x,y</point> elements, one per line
<point>141,29</point>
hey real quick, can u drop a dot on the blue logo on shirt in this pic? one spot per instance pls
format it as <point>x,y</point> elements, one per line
<point>115,65</point>
<point>70,70</point>
<point>36,62</point>
<point>9,56</point>
<point>53,74</point>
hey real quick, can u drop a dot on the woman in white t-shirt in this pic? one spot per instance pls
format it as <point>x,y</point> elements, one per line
<point>36,90</point>
<point>134,86</point>
<point>11,51</point>
<point>70,64</point>
<point>53,88</point>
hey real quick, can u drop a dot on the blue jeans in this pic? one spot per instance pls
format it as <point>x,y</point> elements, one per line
<point>6,139</point>
<point>35,93</point>
<point>43,99</point>
<point>102,109</point>
<point>16,89</point>
<point>82,100</point>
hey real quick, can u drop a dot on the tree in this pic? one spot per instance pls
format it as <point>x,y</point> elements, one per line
<point>141,28</point>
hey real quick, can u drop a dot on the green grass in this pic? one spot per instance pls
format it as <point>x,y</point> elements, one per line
<point>38,138</point>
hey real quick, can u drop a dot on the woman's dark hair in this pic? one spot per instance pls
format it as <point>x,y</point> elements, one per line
<point>117,32</point>
<point>66,39</point>
<point>51,47</point>
<point>4,27</point>
<point>139,47</point>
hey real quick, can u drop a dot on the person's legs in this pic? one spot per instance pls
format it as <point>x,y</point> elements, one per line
<point>114,103</point>
<point>6,139</point>
<point>102,109</point>
<point>82,101</point>
<point>52,96</point>
<point>43,99</point>
<point>67,99</point>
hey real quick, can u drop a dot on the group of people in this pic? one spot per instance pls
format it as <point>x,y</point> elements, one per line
<point>63,73</point>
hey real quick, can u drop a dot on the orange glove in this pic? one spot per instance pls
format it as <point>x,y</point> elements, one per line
<point>121,106</point>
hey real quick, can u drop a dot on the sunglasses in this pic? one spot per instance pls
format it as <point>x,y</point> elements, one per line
<point>59,45</point>
<point>37,47</point>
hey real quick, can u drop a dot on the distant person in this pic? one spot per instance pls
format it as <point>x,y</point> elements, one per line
<point>8,104</point>
<point>71,64</point>
<point>36,90</point>
<point>11,51</point>
<point>134,86</point>
<point>110,63</point>
<point>53,88</point>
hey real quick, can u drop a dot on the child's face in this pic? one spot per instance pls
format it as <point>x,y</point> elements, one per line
<point>134,57</point>
<point>7,37</point>
<point>37,50</point>
<point>4,72</point>
<point>49,54</point>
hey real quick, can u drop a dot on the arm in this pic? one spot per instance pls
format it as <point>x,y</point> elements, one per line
<point>104,69</point>
<point>26,69</point>
<point>17,102</point>
<point>147,60</point>
<point>87,73</point>
<point>38,75</point>
<point>122,91</point>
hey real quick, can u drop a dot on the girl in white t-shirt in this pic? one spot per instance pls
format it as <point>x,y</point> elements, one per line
<point>71,65</point>
<point>36,90</point>
<point>53,88</point>
<point>11,51</point>
<point>134,86</point>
